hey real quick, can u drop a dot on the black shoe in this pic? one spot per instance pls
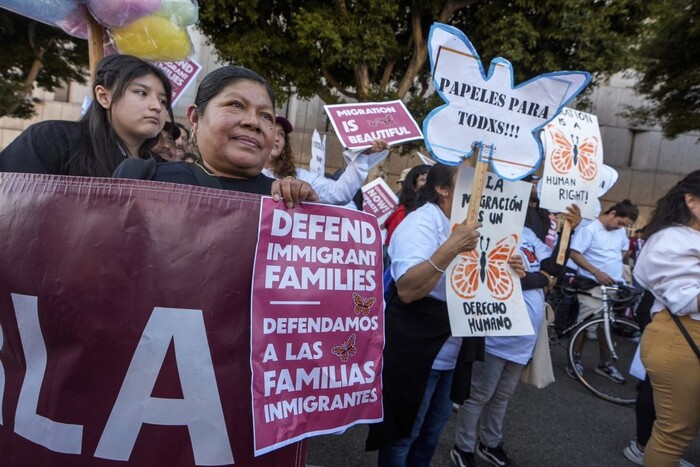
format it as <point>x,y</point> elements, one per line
<point>494,456</point>
<point>461,458</point>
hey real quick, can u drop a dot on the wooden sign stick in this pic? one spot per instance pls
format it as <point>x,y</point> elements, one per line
<point>564,243</point>
<point>477,186</point>
<point>95,44</point>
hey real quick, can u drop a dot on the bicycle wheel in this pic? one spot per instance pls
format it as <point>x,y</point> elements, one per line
<point>625,336</point>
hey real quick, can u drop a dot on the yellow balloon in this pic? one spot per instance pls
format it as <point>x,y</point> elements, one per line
<point>153,38</point>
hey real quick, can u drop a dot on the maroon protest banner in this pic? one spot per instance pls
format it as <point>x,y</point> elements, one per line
<point>318,322</point>
<point>125,324</point>
<point>180,74</point>
<point>357,125</point>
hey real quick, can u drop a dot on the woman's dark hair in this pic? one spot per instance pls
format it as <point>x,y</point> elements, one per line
<point>624,208</point>
<point>283,165</point>
<point>215,82</point>
<point>183,129</point>
<point>409,194</point>
<point>100,152</point>
<point>671,208</point>
<point>439,175</point>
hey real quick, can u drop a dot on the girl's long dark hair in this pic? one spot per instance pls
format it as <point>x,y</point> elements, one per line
<point>439,175</point>
<point>283,165</point>
<point>409,194</point>
<point>100,153</point>
<point>671,208</point>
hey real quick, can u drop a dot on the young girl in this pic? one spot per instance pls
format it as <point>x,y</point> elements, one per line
<point>131,102</point>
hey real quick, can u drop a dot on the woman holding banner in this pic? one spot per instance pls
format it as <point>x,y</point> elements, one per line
<point>232,121</point>
<point>131,102</point>
<point>281,164</point>
<point>424,366</point>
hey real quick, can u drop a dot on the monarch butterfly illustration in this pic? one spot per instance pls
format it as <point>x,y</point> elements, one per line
<point>381,120</point>
<point>362,305</point>
<point>569,153</point>
<point>489,266</point>
<point>531,258</point>
<point>346,349</point>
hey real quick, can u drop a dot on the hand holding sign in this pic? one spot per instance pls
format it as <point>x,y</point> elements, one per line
<point>464,237</point>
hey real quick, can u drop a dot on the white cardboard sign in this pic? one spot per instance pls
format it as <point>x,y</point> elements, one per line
<point>488,109</point>
<point>318,154</point>
<point>484,297</point>
<point>573,162</point>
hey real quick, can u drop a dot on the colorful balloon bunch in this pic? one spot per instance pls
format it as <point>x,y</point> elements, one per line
<point>154,30</point>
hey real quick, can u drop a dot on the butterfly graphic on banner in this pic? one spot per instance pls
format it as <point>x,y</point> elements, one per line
<point>568,153</point>
<point>384,121</point>
<point>345,350</point>
<point>362,305</point>
<point>488,266</point>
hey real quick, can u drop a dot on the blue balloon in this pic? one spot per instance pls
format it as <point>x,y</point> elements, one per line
<point>46,11</point>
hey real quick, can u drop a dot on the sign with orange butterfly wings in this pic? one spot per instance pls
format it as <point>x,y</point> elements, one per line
<point>484,297</point>
<point>317,322</point>
<point>573,162</point>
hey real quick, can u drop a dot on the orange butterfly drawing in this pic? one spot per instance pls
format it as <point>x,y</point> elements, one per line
<point>490,266</point>
<point>346,349</point>
<point>362,305</point>
<point>569,153</point>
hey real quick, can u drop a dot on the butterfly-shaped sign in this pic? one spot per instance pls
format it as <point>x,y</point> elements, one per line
<point>573,167</point>
<point>484,297</point>
<point>488,108</point>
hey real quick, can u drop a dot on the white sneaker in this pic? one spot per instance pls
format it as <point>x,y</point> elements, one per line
<point>634,455</point>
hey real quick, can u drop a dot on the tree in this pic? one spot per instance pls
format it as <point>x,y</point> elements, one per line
<point>670,68</point>
<point>31,53</point>
<point>377,49</point>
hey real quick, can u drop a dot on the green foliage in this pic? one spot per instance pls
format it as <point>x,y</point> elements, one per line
<point>64,59</point>
<point>670,68</point>
<point>366,49</point>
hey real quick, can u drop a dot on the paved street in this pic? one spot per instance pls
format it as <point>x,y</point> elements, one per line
<point>561,425</point>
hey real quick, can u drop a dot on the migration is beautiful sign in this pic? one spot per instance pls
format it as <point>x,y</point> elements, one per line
<point>317,323</point>
<point>358,125</point>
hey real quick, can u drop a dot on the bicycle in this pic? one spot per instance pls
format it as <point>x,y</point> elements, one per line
<point>620,337</point>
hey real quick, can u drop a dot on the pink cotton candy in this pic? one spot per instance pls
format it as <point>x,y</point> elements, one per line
<point>118,13</point>
<point>75,23</point>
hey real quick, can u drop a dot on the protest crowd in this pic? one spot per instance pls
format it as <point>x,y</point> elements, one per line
<point>235,141</point>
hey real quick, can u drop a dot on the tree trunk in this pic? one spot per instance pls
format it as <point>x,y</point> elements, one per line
<point>28,85</point>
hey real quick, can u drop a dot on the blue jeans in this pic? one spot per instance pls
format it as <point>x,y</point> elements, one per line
<point>417,449</point>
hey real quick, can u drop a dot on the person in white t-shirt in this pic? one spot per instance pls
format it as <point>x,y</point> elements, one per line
<point>598,249</point>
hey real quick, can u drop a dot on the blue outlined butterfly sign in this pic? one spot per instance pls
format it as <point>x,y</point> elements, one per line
<point>487,109</point>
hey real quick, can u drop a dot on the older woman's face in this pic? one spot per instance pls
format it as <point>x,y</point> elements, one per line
<point>235,133</point>
<point>278,145</point>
